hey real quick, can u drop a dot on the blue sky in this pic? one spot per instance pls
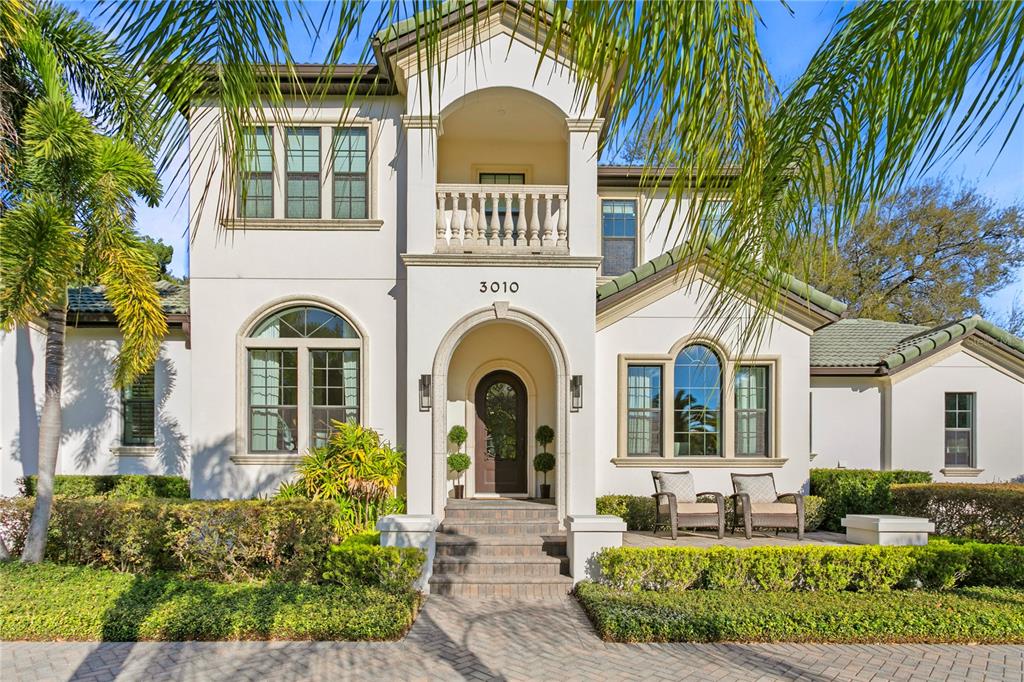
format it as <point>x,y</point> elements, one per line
<point>788,41</point>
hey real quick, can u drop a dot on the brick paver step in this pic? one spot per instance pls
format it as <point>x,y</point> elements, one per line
<point>519,587</point>
<point>473,527</point>
<point>533,566</point>
<point>501,515</point>
<point>452,544</point>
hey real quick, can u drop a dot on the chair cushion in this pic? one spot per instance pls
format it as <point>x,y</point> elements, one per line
<point>697,508</point>
<point>772,508</point>
<point>759,488</point>
<point>679,483</point>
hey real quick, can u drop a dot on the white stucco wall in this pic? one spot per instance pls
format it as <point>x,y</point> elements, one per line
<point>91,407</point>
<point>846,422</point>
<point>918,410</point>
<point>654,330</point>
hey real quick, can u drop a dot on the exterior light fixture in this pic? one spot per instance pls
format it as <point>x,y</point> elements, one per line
<point>425,398</point>
<point>576,391</point>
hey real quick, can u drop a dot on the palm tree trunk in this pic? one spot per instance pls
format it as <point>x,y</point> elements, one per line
<point>5,554</point>
<point>49,436</point>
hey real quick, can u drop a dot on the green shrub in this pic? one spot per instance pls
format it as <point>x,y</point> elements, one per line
<point>361,561</point>
<point>51,602</point>
<point>814,512</point>
<point>459,462</point>
<point>638,510</point>
<point>989,512</point>
<point>225,540</point>
<point>967,615</point>
<point>121,486</point>
<point>937,566</point>
<point>857,491</point>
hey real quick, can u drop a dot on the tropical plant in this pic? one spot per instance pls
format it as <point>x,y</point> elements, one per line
<point>71,195</point>
<point>358,470</point>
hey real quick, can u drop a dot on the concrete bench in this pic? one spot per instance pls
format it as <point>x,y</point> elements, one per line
<point>886,529</point>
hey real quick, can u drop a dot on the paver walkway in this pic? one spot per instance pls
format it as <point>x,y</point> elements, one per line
<point>493,639</point>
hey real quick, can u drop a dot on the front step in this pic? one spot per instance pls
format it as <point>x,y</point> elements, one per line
<point>522,587</point>
<point>509,567</point>
<point>512,527</point>
<point>450,544</point>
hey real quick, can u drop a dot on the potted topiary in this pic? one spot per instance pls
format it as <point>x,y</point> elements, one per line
<point>458,462</point>
<point>544,461</point>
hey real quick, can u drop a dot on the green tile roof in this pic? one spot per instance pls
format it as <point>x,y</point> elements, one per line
<point>174,298</point>
<point>670,258</point>
<point>408,25</point>
<point>887,345</point>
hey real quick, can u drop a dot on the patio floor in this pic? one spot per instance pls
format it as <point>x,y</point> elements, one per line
<point>663,539</point>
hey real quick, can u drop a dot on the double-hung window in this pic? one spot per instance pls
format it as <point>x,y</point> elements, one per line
<point>351,173</point>
<point>643,411</point>
<point>302,173</point>
<point>256,179</point>
<point>960,420</point>
<point>751,411</point>
<point>618,236</point>
<point>138,411</point>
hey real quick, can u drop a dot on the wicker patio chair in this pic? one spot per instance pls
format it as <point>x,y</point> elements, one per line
<point>676,505</point>
<point>755,498</point>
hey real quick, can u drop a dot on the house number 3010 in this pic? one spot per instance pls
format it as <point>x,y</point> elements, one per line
<point>499,287</point>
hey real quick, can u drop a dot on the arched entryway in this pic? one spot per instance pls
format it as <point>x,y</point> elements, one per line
<point>500,457</point>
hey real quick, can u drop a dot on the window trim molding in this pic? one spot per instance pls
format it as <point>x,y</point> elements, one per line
<point>243,342</point>
<point>640,198</point>
<point>120,447</point>
<point>971,468</point>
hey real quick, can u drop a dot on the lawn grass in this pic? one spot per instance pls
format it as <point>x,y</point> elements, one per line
<point>55,602</point>
<point>976,615</point>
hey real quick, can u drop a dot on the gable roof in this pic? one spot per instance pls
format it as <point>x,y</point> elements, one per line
<point>623,284</point>
<point>455,11</point>
<point>93,299</point>
<point>881,347</point>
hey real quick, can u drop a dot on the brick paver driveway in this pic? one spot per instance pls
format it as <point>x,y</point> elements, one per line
<point>457,638</point>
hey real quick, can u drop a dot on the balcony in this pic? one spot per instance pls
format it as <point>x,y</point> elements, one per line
<point>516,219</point>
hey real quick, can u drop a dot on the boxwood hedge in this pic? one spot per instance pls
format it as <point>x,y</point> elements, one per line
<point>857,491</point>
<point>990,512</point>
<point>121,486</point>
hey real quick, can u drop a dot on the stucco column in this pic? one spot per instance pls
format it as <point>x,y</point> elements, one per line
<point>583,210</point>
<point>421,181</point>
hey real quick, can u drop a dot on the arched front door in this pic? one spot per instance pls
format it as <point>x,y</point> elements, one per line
<point>500,434</point>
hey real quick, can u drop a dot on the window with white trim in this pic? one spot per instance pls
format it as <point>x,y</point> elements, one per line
<point>303,372</point>
<point>618,236</point>
<point>138,411</point>
<point>643,411</point>
<point>302,173</point>
<point>959,430</point>
<point>256,181</point>
<point>351,180</point>
<point>751,391</point>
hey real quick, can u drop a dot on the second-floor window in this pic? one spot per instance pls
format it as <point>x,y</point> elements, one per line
<point>138,411</point>
<point>256,186</point>
<point>618,236</point>
<point>302,178</point>
<point>351,173</point>
<point>959,429</point>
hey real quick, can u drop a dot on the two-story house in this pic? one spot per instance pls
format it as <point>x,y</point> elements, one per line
<point>454,254</point>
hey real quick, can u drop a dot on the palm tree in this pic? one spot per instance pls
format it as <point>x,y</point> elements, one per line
<point>71,192</point>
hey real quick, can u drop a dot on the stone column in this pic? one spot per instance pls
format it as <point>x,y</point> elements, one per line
<point>411,530</point>
<point>584,222</point>
<point>421,181</point>
<point>588,535</point>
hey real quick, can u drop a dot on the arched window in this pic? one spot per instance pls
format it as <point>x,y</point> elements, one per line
<point>697,403</point>
<point>302,372</point>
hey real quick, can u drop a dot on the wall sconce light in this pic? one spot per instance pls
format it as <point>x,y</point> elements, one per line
<point>576,391</point>
<point>425,397</point>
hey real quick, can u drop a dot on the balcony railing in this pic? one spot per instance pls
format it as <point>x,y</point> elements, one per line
<point>502,218</point>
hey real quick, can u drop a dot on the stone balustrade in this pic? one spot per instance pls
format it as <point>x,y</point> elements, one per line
<point>502,218</point>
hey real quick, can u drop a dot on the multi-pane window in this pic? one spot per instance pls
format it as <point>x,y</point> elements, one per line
<point>138,411</point>
<point>256,179</point>
<point>716,217</point>
<point>752,411</point>
<point>303,374</point>
<point>643,411</point>
<point>697,402</point>
<point>302,173</point>
<point>618,236</point>
<point>959,414</point>
<point>351,173</point>
<point>273,400</point>
<point>502,179</point>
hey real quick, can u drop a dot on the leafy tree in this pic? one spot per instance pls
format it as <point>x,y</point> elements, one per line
<point>71,195</point>
<point>924,255</point>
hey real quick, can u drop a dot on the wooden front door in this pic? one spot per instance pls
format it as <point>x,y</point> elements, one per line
<point>500,434</point>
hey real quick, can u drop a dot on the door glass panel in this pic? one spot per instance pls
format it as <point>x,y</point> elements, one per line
<point>500,420</point>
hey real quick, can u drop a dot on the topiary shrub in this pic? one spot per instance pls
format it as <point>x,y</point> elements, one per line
<point>990,512</point>
<point>857,491</point>
<point>120,486</point>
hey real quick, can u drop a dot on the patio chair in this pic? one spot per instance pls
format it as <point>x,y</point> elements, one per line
<point>676,505</point>
<point>754,496</point>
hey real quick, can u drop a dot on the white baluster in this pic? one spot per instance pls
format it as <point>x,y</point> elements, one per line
<point>535,218</point>
<point>522,236</point>
<point>563,217</point>
<point>457,220</point>
<point>442,228</point>
<point>549,223</point>
<point>508,226</point>
<point>493,236</point>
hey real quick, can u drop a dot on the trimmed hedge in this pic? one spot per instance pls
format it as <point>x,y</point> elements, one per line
<point>939,565</point>
<point>360,560</point>
<point>971,615</point>
<point>858,491</point>
<point>990,512</point>
<point>121,486</point>
<point>638,511</point>
<point>223,540</point>
<point>50,602</point>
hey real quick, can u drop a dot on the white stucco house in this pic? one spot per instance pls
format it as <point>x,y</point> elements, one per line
<point>426,257</point>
